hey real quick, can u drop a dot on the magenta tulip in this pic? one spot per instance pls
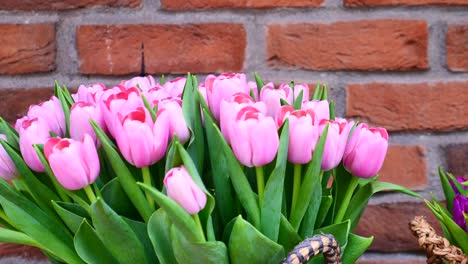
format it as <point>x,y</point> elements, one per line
<point>141,141</point>
<point>7,167</point>
<point>89,93</point>
<point>303,134</point>
<point>74,163</point>
<point>254,138</point>
<point>223,87</point>
<point>52,113</point>
<point>272,97</point>
<point>459,210</point>
<point>320,108</point>
<point>32,131</point>
<point>182,189</point>
<point>175,87</point>
<point>365,152</point>
<point>176,121</point>
<point>335,143</point>
<point>80,114</point>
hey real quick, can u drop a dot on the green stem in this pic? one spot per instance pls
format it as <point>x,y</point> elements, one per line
<point>89,192</point>
<point>260,184</point>
<point>296,186</point>
<point>147,180</point>
<point>196,218</point>
<point>347,198</point>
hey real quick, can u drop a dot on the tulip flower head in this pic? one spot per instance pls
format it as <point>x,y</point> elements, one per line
<point>320,108</point>
<point>32,131</point>
<point>175,87</point>
<point>272,97</point>
<point>80,114</point>
<point>7,167</point>
<point>144,83</point>
<point>177,126</point>
<point>365,152</point>
<point>52,113</point>
<point>182,189</point>
<point>460,209</point>
<point>74,163</point>
<point>335,144</point>
<point>89,93</point>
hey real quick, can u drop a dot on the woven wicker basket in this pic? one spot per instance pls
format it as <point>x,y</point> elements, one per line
<point>438,249</point>
<point>313,246</point>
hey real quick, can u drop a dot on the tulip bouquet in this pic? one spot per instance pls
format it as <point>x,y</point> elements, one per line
<point>453,217</point>
<point>225,171</point>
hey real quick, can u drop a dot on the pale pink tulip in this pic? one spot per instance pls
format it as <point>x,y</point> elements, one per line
<point>32,131</point>
<point>320,108</point>
<point>175,87</point>
<point>52,113</point>
<point>144,83</point>
<point>335,143</point>
<point>7,167</point>
<point>89,93</point>
<point>80,114</point>
<point>272,97</point>
<point>177,126</point>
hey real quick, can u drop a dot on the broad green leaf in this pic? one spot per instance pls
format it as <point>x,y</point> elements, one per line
<point>308,222</point>
<point>117,199</point>
<point>448,189</point>
<point>10,132</point>
<point>196,147</point>
<point>35,223</point>
<point>127,181</point>
<point>311,189</point>
<point>248,245</point>
<point>159,231</point>
<point>259,81</point>
<point>457,233</point>
<point>356,246</point>
<point>16,237</point>
<point>288,237</point>
<point>176,213</point>
<point>116,235</point>
<point>323,210</point>
<point>188,102</point>
<point>72,214</point>
<point>340,231</point>
<point>273,196</point>
<point>89,247</point>
<point>197,252</point>
<point>141,230</point>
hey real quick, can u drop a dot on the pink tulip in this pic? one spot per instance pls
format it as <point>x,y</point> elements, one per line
<point>144,83</point>
<point>303,134</point>
<point>141,141</point>
<point>80,114</point>
<point>156,95</point>
<point>272,97</point>
<point>89,93</point>
<point>175,87</point>
<point>74,163</point>
<point>32,131</point>
<point>335,143</point>
<point>320,108</point>
<point>176,121</point>
<point>182,189</point>
<point>7,167</point>
<point>305,91</point>
<point>365,152</point>
<point>230,107</point>
<point>254,138</point>
<point>223,87</point>
<point>52,113</point>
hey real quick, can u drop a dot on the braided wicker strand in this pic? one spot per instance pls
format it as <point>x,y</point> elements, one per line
<point>313,246</point>
<point>438,249</point>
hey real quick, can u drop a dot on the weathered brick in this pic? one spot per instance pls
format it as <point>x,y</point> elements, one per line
<point>16,102</point>
<point>399,107</point>
<point>388,223</point>
<point>457,159</point>
<point>202,48</point>
<point>208,4</point>
<point>64,4</point>
<point>457,48</point>
<point>354,3</point>
<point>369,45</point>
<point>393,259</point>
<point>406,166</point>
<point>27,48</point>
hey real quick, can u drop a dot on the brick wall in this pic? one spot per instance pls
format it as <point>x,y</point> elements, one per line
<point>402,64</point>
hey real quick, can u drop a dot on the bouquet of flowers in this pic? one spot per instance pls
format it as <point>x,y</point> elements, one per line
<point>225,171</point>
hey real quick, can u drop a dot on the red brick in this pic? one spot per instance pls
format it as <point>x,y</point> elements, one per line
<point>64,4</point>
<point>354,3</point>
<point>406,166</point>
<point>207,4</point>
<point>370,45</point>
<point>388,223</point>
<point>399,107</point>
<point>457,159</point>
<point>16,102</point>
<point>203,48</point>
<point>457,47</point>
<point>393,259</point>
<point>15,250</point>
<point>27,48</point>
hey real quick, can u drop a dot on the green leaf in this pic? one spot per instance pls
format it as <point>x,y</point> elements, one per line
<point>332,110</point>
<point>197,252</point>
<point>117,199</point>
<point>148,107</point>
<point>159,231</point>
<point>288,237</point>
<point>188,102</point>
<point>457,233</point>
<point>248,245</point>
<point>65,105</point>
<point>357,245</point>
<point>340,231</point>
<point>308,222</point>
<point>271,210</point>
<point>126,179</point>
<point>140,229</point>
<point>260,82</point>
<point>72,214</point>
<point>298,101</point>
<point>324,95</point>
<point>311,189</point>
<point>116,235</point>
<point>89,247</point>
<point>35,223</point>
<point>162,81</point>
<point>10,132</point>
<point>317,92</point>
<point>176,213</point>
<point>196,146</point>
<point>15,237</point>
<point>447,187</point>
<point>323,210</point>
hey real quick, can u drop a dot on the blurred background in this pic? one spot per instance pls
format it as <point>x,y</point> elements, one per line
<point>400,64</point>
